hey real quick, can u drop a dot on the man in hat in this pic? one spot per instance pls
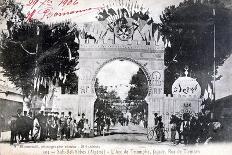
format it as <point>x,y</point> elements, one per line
<point>63,124</point>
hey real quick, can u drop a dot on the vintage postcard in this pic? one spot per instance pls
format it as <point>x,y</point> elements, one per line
<point>115,77</point>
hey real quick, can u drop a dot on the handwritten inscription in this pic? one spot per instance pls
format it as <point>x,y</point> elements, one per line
<point>44,9</point>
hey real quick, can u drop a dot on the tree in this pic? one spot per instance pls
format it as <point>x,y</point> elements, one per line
<point>104,102</point>
<point>140,86</point>
<point>35,55</point>
<point>189,29</point>
<point>138,92</point>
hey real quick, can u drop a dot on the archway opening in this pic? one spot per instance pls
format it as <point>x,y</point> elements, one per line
<point>121,87</point>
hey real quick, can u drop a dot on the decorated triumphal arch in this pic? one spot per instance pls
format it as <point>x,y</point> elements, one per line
<point>132,37</point>
<point>123,37</point>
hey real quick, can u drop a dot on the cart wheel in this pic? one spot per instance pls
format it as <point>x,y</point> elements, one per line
<point>150,134</point>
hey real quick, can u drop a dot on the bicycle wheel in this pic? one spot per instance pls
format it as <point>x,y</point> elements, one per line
<point>150,134</point>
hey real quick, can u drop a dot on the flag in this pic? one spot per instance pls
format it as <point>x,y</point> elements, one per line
<point>210,92</point>
<point>214,12</point>
<point>69,52</point>
<point>37,30</point>
<point>64,79</point>
<point>206,95</point>
<point>38,83</point>
<point>35,82</point>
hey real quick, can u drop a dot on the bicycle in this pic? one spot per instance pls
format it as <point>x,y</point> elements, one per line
<point>151,133</point>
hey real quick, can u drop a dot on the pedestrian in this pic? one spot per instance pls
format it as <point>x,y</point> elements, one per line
<point>185,128</point>
<point>27,126</point>
<point>20,126</point>
<point>160,129</point>
<point>42,121</point>
<point>173,122</point>
<point>63,125</point>
<point>203,129</point>
<point>30,123</point>
<point>194,127</point>
<point>53,129</point>
<point>81,125</point>
<point>13,129</point>
<point>108,123</point>
<point>75,129</point>
<point>155,124</point>
<point>69,125</point>
<point>98,121</point>
<point>102,124</point>
<point>178,125</point>
<point>86,129</point>
<point>36,130</point>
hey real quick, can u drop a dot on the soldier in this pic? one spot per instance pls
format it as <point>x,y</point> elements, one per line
<point>63,125</point>
<point>69,125</point>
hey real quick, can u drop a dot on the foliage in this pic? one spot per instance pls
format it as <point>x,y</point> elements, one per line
<point>140,89</point>
<point>189,27</point>
<point>138,93</point>
<point>104,102</point>
<point>35,54</point>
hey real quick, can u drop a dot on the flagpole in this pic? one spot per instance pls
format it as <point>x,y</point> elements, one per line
<point>214,63</point>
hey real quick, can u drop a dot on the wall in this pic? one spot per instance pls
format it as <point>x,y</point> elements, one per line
<point>8,108</point>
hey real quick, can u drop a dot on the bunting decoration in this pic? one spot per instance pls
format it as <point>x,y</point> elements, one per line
<point>123,18</point>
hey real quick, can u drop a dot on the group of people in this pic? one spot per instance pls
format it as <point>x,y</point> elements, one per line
<point>103,122</point>
<point>190,129</point>
<point>47,125</point>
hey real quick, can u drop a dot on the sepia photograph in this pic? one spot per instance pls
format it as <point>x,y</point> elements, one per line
<point>115,77</point>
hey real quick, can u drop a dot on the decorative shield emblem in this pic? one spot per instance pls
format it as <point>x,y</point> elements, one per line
<point>123,29</point>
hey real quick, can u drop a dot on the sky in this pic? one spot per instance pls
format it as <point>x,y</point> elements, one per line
<point>223,86</point>
<point>116,73</point>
